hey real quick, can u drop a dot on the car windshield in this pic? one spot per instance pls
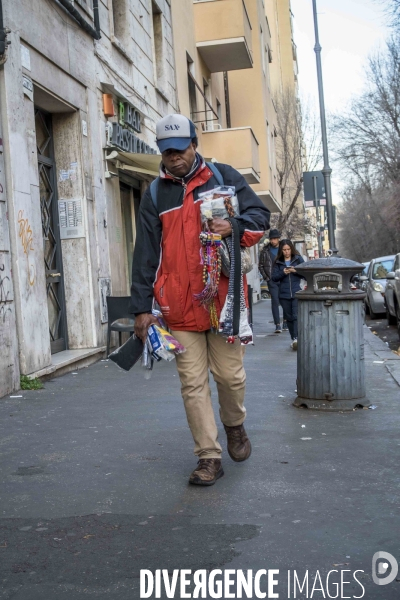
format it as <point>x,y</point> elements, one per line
<point>382,268</point>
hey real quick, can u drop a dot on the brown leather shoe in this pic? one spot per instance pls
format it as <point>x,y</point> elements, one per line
<point>239,446</point>
<point>207,472</point>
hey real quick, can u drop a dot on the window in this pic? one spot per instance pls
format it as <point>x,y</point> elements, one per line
<point>382,268</point>
<point>262,50</point>
<point>158,49</point>
<point>227,105</point>
<point>269,143</point>
<point>192,89</point>
<point>121,20</point>
<point>219,112</point>
<point>208,116</point>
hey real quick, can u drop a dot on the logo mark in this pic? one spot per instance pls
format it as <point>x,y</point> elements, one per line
<point>382,568</point>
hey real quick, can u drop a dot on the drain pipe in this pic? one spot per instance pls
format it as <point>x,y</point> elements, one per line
<point>96,17</point>
<point>4,42</point>
<point>95,33</point>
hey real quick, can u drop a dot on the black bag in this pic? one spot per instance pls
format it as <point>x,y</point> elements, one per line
<point>128,354</point>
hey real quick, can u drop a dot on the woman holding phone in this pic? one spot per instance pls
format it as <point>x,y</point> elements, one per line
<point>284,271</point>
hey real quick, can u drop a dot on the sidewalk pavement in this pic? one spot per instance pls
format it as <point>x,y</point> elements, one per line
<point>94,472</point>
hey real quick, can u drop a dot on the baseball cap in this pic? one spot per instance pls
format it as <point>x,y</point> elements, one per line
<point>174,132</point>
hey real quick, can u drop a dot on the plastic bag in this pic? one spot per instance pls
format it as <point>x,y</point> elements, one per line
<point>219,203</point>
<point>147,361</point>
<point>160,344</point>
<point>163,344</point>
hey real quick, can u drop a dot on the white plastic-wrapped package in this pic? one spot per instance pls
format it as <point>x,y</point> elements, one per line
<point>219,203</point>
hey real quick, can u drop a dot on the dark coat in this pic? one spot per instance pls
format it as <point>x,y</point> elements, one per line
<point>166,260</point>
<point>289,284</point>
<point>265,263</point>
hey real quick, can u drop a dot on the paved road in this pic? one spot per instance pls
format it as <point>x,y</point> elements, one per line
<point>93,483</point>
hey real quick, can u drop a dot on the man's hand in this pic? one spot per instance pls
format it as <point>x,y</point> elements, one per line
<point>142,324</point>
<point>221,226</point>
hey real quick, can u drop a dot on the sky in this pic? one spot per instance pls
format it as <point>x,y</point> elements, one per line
<point>349,30</point>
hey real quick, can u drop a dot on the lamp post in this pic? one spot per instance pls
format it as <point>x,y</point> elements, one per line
<point>326,170</point>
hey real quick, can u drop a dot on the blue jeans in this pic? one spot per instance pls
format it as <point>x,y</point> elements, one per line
<point>289,306</point>
<point>274,291</point>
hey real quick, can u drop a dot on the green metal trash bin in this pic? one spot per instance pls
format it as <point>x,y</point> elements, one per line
<point>330,355</point>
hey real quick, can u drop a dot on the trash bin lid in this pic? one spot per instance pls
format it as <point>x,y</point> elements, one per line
<point>331,263</point>
<point>329,275</point>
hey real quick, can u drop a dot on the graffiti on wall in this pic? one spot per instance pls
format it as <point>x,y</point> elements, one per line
<point>105,290</point>
<point>5,294</point>
<point>26,236</point>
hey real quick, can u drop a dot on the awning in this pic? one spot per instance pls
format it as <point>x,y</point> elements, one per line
<point>143,164</point>
<point>269,200</point>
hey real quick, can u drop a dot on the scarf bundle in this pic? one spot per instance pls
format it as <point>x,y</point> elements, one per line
<point>233,320</point>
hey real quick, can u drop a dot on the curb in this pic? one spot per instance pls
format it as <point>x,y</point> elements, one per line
<point>379,348</point>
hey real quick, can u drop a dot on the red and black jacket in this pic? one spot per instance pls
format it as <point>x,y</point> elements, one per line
<point>166,260</point>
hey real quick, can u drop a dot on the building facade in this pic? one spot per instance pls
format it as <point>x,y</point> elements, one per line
<point>82,86</point>
<point>69,104</point>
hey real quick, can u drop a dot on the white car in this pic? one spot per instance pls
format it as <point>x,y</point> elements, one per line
<point>392,294</point>
<point>374,283</point>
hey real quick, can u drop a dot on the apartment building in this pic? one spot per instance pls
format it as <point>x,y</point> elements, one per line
<point>230,61</point>
<point>82,86</point>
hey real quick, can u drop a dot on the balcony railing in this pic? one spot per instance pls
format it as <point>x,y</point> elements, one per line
<point>223,34</point>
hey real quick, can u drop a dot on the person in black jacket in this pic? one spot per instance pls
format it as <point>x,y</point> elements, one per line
<point>268,256</point>
<point>284,272</point>
<point>167,267</point>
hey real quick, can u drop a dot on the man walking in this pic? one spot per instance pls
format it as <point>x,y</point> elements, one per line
<point>166,266</point>
<point>267,258</point>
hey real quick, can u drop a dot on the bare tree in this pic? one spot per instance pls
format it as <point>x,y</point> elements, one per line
<point>367,144</point>
<point>392,9</point>
<point>298,148</point>
<point>367,136</point>
<point>365,229</point>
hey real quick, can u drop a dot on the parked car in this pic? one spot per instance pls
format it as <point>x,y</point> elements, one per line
<point>374,283</point>
<point>392,294</point>
<point>265,290</point>
<point>356,278</point>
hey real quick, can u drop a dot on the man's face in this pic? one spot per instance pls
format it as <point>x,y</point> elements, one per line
<point>274,242</point>
<point>179,162</point>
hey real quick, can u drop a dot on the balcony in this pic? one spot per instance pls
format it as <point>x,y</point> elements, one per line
<point>223,34</point>
<point>268,198</point>
<point>237,147</point>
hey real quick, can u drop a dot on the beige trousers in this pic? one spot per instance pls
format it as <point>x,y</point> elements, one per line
<point>207,350</point>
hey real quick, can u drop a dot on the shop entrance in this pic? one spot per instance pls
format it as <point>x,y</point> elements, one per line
<point>130,198</point>
<point>51,234</point>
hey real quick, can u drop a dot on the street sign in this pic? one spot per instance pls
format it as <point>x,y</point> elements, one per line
<point>309,190</point>
<point>311,203</point>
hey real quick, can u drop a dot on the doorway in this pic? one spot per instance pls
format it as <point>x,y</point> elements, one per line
<point>51,233</point>
<point>129,208</point>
